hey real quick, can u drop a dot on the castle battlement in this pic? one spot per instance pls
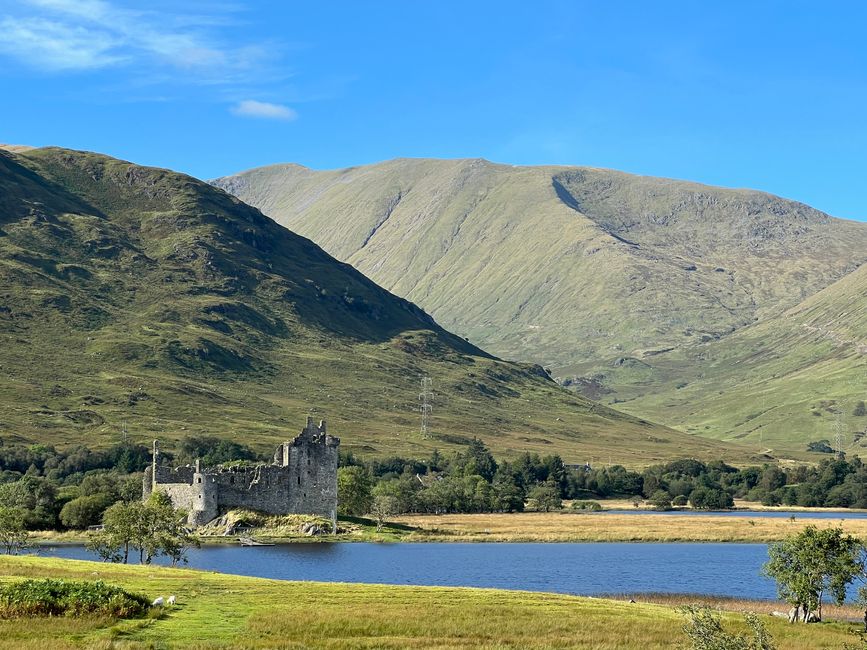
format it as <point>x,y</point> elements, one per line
<point>302,479</point>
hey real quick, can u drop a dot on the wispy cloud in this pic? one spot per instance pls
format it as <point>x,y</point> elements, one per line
<point>266,110</point>
<point>158,46</point>
<point>56,46</point>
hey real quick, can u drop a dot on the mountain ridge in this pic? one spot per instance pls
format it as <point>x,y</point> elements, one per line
<point>138,299</point>
<point>575,268</point>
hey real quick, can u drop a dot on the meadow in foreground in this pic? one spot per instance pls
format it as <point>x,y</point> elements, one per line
<point>222,611</point>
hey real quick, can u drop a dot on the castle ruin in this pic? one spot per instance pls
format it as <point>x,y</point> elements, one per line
<point>302,479</point>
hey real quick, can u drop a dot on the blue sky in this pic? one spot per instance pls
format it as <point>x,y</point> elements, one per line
<point>768,95</point>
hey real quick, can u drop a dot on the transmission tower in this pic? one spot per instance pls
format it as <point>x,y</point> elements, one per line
<point>838,433</point>
<point>425,397</point>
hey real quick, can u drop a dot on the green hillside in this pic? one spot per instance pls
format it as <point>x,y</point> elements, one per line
<point>140,298</point>
<point>618,283</point>
<point>780,383</point>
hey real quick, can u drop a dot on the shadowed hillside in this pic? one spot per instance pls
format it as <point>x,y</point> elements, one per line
<point>138,297</point>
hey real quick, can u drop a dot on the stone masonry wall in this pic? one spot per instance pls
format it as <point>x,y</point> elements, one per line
<point>302,479</point>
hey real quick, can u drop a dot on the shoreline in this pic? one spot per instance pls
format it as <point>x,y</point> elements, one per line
<point>534,527</point>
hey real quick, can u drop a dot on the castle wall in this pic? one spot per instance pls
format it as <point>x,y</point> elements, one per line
<point>302,480</point>
<point>313,476</point>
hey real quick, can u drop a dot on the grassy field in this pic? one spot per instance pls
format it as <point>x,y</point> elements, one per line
<point>221,611</point>
<point>590,527</point>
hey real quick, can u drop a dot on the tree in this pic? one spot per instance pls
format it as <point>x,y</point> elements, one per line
<point>660,500</point>
<point>506,495</point>
<point>546,497</point>
<point>704,629</point>
<point>353,491</point>
<point>13,535</point>
<point>383,506</point>
<point>85,511</point>
<point>152,529</point>
<point>114,542</point>
<point>703,498</point>
<point>812,563</point>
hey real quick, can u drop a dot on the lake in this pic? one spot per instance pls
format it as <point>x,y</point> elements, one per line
<point>591,569</point>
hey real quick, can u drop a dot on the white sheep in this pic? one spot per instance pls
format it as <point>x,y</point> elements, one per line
<point>159,602</point>
<point>172,600</point>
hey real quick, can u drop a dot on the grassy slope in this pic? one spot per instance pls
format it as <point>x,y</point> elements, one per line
<point>221,611</point>
<point>778,382</point>
<point>592,272</point>
<point>137,296</point>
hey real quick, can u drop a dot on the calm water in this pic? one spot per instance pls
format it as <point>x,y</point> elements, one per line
<point>584,569</point>
<point>755,514</point>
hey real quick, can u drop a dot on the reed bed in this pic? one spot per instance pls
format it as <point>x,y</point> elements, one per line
<point>602,527</point>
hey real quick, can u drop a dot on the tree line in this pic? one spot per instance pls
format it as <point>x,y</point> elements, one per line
<point>472,480</point>
<point>51,489</point>
<point>72,488</point>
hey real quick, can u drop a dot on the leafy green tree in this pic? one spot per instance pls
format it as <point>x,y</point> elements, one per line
<point>114,542</point>
<point>704,498</point>
<point>354,490</point>
<point>13,535</point>
<point>811,564</point>
<point>151,529</point>
<point>704,630</point>
<point>506,496</point>
<point>36,496</point>
<point>403,490</point>
<point>212,450</point>
<point>546,497</point>
<point>660,500</point>
<point>85,511</point>
<point>383,506</point>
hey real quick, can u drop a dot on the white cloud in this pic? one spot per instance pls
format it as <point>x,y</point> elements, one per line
<point>57,46</point>
<point>265,110</point>
<point>67,35</point>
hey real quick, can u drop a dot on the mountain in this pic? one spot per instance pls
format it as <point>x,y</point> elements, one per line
<point>600,275</point>
<point>795,378</point>
<point>141,300</point>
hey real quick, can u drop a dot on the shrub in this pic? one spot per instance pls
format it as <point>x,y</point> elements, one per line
<point>679,500</point>
<point>592,506</point>
<point>49,597</point>
<point>704,630</point>
<point>820,446</point>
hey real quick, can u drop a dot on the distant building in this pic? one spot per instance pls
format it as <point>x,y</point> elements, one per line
<point>301,479</point>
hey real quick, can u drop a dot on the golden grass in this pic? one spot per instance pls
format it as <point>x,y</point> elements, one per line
<point>221,611</point>
<point>602,527</point>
